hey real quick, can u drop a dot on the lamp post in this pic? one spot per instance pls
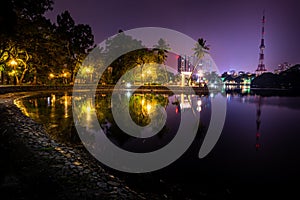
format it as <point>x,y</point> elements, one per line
<point>14,63</point>
<point>65,75</point>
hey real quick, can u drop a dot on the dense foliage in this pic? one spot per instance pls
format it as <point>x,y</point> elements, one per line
<point>34,50</point>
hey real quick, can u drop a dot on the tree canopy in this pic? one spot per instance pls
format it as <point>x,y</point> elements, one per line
<point>35,50</point>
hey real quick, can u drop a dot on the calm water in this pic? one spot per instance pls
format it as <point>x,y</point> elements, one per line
<point>258,147</point>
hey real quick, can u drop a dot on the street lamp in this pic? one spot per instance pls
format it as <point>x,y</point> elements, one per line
<point>14,63</point>
<point>51,75</point>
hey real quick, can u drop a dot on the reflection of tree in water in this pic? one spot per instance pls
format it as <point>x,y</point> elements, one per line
<point>141,108</point>
<point>55,112</point>
<point>103,108</point>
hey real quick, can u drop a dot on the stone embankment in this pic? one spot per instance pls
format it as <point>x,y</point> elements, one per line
<point>34,166</point>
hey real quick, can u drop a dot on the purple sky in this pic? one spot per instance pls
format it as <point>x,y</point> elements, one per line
<point>232,28</point>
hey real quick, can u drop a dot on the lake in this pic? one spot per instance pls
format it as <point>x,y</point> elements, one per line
<point>257,149</point>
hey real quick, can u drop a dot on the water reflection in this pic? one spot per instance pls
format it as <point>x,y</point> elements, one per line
<point>258,122</point>
<point>55,111</point>
<point>251,121</point>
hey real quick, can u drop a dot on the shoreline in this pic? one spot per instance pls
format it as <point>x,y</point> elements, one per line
<point>71,171</point>
<point>170,89</point>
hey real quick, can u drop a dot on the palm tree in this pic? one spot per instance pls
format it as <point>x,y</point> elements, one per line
<point>200,50</point>
<point>162,50</point>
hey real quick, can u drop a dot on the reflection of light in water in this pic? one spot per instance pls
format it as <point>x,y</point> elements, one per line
<point>245,89</point>
<point>199,108</point>
<point>228,96</point>
<point>22,107</point>
<point>89,111</point>
<point>128,94</point>
<point>66,105</point>
<point>36,105</point>
<point>185,102</point>
<point>199,103</point>
<point>52,114</point>
<point>149,108</point>
<point>53,99</point>
<point>48,101</point>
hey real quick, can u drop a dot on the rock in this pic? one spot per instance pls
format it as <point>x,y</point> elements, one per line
<point>68,155</point>
<point>101,184</point>
<point>77,163</point>
<point>72,166</point>
<point>113,183</point>
<point>111,176</point>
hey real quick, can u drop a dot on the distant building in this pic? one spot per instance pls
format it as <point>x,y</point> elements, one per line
<point>282,67</point>
<point>184,63</point>
<point>241,73</point>
<point>232,72</point>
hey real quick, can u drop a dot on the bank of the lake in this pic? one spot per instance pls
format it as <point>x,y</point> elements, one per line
<point>34,166</point>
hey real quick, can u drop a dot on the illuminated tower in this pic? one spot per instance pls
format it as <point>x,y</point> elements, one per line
<point>261,66</point>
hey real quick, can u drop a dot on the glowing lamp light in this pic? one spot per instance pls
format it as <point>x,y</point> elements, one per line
<point>128,85</point>
<point>149,107</point>
<point>13,62</point>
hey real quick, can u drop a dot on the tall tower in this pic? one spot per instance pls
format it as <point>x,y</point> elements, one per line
<point>261,66</point>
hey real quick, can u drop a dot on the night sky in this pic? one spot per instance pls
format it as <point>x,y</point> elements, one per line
<point>232,28</point>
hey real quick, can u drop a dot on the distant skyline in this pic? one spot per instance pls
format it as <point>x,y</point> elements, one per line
<point>232,28</point>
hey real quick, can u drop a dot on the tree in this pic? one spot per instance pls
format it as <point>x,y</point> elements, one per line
<point>76,41</point>
<point>30,9</point>
<point>162,48</point>
<point>38,47</point>
<point>18,17</point>
<point>200,50</point>
<point>117,46</point>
